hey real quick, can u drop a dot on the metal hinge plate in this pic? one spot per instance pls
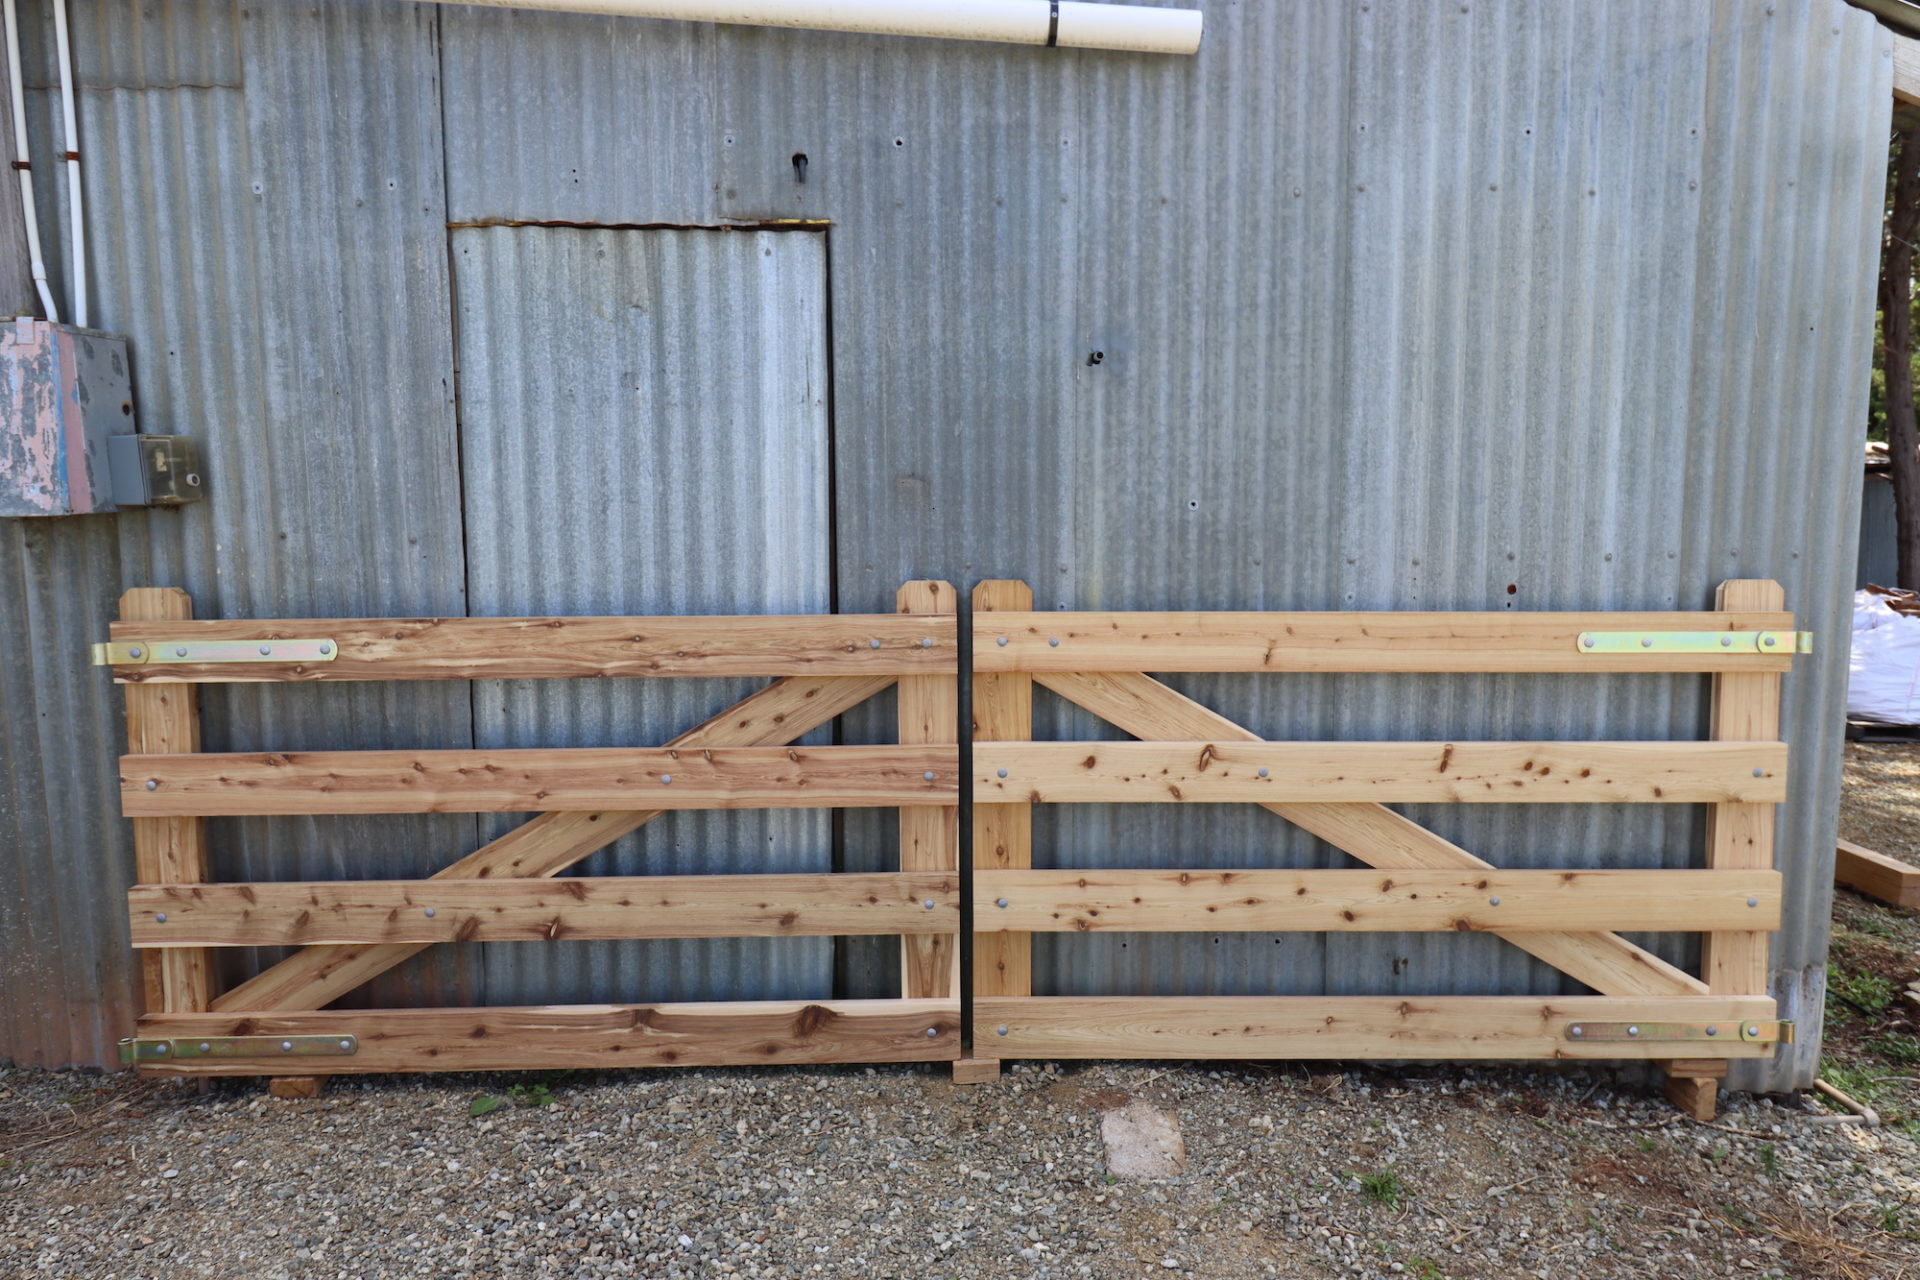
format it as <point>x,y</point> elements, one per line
<point>138,653</point>
<point>1696,642</point>
<point>263,1047</point>
<point>1699,1032</point>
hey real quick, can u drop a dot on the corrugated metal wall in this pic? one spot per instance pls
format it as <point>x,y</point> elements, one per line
<point>1879,561</point>
<point>1402,306</point>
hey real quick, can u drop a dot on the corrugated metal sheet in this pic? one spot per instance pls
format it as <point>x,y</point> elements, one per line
<point>1879,561</point>
<point>644,430</point>
<point>1401,307</point>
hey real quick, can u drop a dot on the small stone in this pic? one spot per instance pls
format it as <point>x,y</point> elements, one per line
<point>1143,1143</point>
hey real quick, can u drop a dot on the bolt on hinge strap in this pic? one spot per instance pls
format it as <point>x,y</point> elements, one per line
<point>1754,1032</point>
<point>137,653</point>
<point>1695,642</point>
<point>186,1049</point>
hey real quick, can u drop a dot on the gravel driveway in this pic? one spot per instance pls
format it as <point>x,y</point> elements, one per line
<point>896,1172</point>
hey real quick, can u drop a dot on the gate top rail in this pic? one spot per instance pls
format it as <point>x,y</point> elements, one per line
<point>1350,642</point>
<point>256,650</point>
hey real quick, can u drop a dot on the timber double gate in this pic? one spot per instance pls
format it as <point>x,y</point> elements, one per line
<point>1413,879</point>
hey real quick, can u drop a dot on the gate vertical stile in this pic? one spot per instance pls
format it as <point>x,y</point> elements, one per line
<point>1002,833</point>
<point>929,834</point>
<point>163,719</point>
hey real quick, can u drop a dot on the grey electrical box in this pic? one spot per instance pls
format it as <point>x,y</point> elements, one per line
<point>153,471</point>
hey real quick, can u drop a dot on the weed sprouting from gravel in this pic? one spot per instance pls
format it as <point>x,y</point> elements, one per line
<point>1383,1188</point>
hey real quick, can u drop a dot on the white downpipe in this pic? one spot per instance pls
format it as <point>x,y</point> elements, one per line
<point>1070,25</point>
<point>22,160</point>
<point>76,214</point>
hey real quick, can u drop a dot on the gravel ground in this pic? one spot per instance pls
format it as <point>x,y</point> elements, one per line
<point>896,1172</point>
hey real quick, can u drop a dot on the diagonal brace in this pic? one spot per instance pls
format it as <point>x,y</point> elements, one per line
<point>547,845</point>
<point>1375,834</point>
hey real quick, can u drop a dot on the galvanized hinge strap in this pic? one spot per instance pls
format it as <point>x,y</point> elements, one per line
<point>1696,642</point>
<point>1699,1032</point>
<point>136,653</point>
<point>261,1047</point>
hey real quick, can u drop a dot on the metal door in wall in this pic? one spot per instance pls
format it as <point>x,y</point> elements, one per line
<point>644,431</point>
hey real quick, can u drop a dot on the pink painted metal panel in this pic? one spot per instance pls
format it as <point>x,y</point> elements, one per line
<point>66,390</point>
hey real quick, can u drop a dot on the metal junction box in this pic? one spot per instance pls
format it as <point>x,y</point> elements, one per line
<point>65,392</point>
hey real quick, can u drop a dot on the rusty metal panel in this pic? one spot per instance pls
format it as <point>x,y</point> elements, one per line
<point>63,391</point>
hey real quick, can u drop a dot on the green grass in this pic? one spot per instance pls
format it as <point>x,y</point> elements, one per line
<point>1383,1188</point>
<point>1868,991</point>
<point>1901,1050</point>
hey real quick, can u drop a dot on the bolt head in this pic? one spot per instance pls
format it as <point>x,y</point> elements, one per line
<point>152,785</point>
<point>346,1046</point>
<point>1726,642</point>
<point>999,902</point>
<point>1586,642</point>
<point>133,653</point>
<point>266,650</point>
<point>1713,1031</point>
<point>1003,773</point>
<point>159,917</point>
<point>1001,1030</point>
<point>1493,902</point>
<point>1002,642</point>
<point>1753,902</point>
<point>666,779</point>
<point>1753,1031</point>
<point>428,913</point>
<point>1263,773</point>
<point>1053,641</point>
<point>1633,1031</point>
<point>873,644</point>
<point>326,649</point>
<point>1646,642</point>
<point>926,642</point>
<point>160,1049</point>
<point>180,652</point>
<point>928,775</point>
<point>1576,1031</point>
<point>932,1032</point>
<point>286,1046</point>
<point>1759,773</point>
<point>1770,641</point>
<point>205,1047</point>
<point>927,903</point>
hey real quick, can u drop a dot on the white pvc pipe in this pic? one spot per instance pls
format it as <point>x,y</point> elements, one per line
<point>1068,24</point>
<point>22,163</point>
<point>76,215</point>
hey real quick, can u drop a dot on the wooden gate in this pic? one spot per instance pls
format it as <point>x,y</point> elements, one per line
<point>1188,754</point>
<point>276,1024</point>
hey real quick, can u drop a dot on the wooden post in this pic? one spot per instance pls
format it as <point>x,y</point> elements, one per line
<point>929,834</point>
<point>1746,708</point>
<point>161,719</point>
<point>1002,833</point>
